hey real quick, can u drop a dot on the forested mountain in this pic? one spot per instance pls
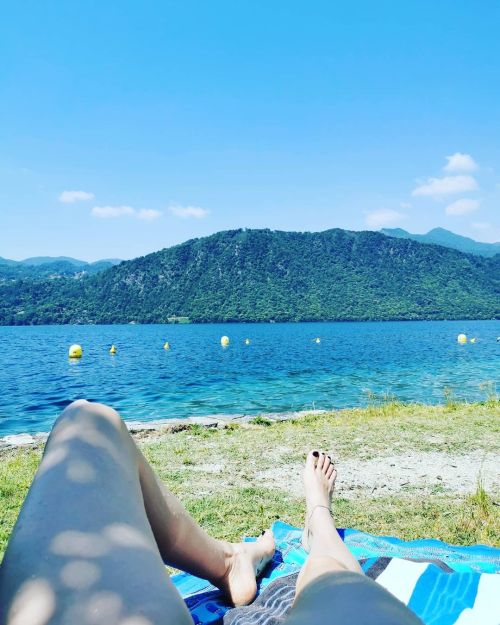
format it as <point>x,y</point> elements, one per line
<point>46,267</point>
<point>262,275</point>
<point>440,236</point>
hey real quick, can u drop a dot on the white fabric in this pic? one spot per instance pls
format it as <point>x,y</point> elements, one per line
<point>400,578</point>
<point>486,608</point>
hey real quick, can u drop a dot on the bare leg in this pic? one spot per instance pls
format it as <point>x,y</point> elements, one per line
<point>327,551</point>
<point>88,544</point>
<point>183,544</point>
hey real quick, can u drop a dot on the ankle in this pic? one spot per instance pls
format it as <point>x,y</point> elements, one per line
<point>228,555</point>
<point>321,525</point>
<point>320,516</point>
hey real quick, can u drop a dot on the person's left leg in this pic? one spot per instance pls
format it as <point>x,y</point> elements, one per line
<point>232,567</point>
<point>86,547</point>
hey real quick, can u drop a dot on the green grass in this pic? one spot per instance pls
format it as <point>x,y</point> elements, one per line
<point>247,511</point>
<point>17,468</point>
<point>214,471</point>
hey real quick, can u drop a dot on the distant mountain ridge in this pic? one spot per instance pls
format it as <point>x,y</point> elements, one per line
<point>264,275</point>
<point>440,236</point>
<point>46,260</point>
<point>50,267</point>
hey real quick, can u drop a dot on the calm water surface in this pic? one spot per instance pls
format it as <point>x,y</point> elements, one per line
<point>282,369</point>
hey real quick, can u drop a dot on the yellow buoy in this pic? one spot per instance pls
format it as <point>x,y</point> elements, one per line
<point>462,338</point>
<point>317,340</point>
<point>112,349</point>
<point>224,341</point>
<point>473,340</point>
<point>247,341</point>
<point>75,351</point>
<point>167,345</point>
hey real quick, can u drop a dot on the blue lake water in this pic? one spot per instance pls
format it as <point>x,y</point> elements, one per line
<point>282,369</point>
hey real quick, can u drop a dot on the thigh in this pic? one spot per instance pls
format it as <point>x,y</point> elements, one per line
<point>82,550</point>
<point>346,598</point>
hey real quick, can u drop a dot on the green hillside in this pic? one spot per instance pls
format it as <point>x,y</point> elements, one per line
<point>262,275</point>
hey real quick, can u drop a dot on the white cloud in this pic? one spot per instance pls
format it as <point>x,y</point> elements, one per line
<point>383,217</point>
<point>188,211</point>
<point>436,187</point>
<point>106,212</point>
<point>460,162</point>
<point>68,197</point>
<point>463,206</point>
<point>148,214</point>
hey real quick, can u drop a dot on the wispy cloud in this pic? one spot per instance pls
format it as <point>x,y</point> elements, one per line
<point>187,212</point>
<point>106,212</point>
<point>112,212</point>
<point>448,185</point>
<point>383,217</point>
<point>69,197</point>
<point>460,162</point>
<point>462,207</point>
<point>148,214</point>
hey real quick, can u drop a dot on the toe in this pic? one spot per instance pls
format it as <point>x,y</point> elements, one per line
<point>332,478</point>
<point>330,470</point>
<point>312,458</point>
<point>321,461</point>
<point>267,540</point>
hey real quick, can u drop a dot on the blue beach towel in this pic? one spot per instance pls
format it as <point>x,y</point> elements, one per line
<point>442,584</point>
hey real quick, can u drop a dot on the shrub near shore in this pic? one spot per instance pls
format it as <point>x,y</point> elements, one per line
<point>406,470</point>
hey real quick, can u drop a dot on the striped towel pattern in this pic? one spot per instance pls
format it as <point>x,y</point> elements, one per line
<point>442,584</point>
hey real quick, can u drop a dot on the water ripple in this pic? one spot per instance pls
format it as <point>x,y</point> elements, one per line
<point>282,369</point>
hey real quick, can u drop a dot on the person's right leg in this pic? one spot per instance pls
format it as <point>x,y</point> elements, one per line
<point>327,550</point>
<point>331,587</point>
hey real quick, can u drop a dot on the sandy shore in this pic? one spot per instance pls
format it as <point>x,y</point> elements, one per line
<point>388,475</point>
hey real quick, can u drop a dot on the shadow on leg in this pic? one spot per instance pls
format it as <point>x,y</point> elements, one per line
<point>82,550</point>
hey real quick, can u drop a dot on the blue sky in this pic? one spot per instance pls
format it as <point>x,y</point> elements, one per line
<point>128,127</point>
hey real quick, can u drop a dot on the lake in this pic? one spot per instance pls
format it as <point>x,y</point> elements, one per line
<point>282,369</point>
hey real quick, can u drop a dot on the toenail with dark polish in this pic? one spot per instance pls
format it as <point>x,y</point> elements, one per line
<point>263,532</point>
<point>316,454</point>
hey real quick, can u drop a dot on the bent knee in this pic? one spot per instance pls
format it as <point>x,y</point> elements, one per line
<point>76,404</point>
<point>85,414</point>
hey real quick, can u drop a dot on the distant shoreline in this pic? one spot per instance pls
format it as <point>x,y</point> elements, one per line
<point>232,323</point>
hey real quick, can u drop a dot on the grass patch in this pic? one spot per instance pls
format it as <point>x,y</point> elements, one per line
<point>17,468</point>
<point>213,471</point>
<point>247,511</point>
<point>260,420</point>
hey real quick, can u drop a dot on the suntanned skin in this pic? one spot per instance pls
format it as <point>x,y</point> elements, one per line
<point>95,529</point>
<point>97,526</point>
<point>327,553</point>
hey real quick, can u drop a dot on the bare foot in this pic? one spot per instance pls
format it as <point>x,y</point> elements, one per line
<point>246,561</point>
<point>319,481</point>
